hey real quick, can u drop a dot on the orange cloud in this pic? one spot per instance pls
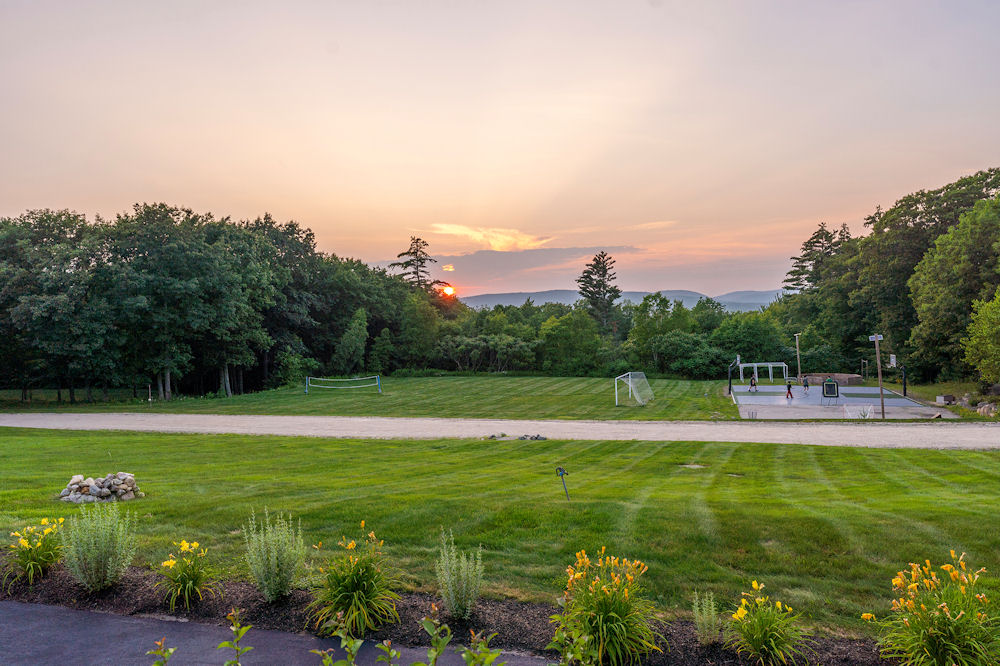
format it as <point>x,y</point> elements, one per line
<point>503,240</point>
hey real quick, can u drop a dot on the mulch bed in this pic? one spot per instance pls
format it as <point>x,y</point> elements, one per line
<point>520,627</point>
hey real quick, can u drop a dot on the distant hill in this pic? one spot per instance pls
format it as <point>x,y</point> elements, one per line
<point>736,301</point>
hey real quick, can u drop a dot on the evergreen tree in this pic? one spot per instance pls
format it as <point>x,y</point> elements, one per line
<point>808,268</point>
<point>380,358</point>
<point>415,267</point>
<point>597,288</point>
<point>350,354</point>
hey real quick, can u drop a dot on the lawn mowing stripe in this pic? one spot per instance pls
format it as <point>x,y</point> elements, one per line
<point>783,493</point>
<point>982,459</point>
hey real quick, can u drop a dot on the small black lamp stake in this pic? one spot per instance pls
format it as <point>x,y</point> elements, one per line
<point>562,475</point>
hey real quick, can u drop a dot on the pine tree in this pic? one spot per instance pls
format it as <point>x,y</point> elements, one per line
<point>598,289</point>
<point>415,265</point>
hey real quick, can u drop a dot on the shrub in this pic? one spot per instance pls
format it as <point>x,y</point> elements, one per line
<point>358,585</point>
<point>460,577</point>
<point>707,621</point>
<point>275,553</point>
<point>99,544</point>
<point>187,577</point>
<point>604,601</point>
<point>769,633</point>
<point>37,548</point>
<point>940,620</point>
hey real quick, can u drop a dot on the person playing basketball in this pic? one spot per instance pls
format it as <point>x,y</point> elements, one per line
<point>788,389</point>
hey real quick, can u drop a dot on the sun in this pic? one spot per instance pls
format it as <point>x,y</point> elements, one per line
<point>448,290</point>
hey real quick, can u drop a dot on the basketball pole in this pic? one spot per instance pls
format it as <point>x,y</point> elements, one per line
<point>878,364</point>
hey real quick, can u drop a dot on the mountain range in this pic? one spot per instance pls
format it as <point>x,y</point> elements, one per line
<point>735,301</point>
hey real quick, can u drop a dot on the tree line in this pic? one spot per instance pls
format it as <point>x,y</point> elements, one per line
<point>184,302</point>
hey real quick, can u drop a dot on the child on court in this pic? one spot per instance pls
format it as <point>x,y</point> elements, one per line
<point>805,385</point>
<point>788,389</point>
<point>753,384</point>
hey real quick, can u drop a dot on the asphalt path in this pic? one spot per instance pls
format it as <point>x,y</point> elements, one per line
<point>36,634</point>
<point>935,435</point>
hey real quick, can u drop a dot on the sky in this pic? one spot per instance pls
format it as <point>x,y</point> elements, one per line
<point>698,142</point>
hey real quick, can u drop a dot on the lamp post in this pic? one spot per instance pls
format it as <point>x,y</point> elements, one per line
<point>798,358</point>
<point>878,363</point>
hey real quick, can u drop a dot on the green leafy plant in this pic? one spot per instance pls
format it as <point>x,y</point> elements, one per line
<point>350,645</point>
<point>604,600</point>
<point>98,545</point>
<point>358,585</point>
<point>162,651</point>
<point>389,654</point>
<point>479,652</point>
<point>460,577</point>
<point>275,553</point>
<point>187,576</point>
<point>35,549</point>
<point>574,646</point>
<point>769,633</point>
<point>239,631</point>
<point>440,635</point>
<point>708,622</point>
<point>940,619</point>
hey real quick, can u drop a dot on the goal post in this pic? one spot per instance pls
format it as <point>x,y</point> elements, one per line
<point>352,383</point>
<point>632,387</point>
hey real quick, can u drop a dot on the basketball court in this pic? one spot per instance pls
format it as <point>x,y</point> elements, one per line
<point>853,402</point>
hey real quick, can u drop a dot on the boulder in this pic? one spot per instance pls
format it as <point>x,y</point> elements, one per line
<point>76,479</point>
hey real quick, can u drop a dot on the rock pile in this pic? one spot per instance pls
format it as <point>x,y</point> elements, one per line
<point>118,487</point>
<point>987,409</point>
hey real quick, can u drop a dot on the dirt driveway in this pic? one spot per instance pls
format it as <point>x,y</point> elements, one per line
<point>936,435</point>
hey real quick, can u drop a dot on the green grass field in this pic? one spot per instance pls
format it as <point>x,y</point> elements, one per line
<point>453,397</point>
<point>824,527</point>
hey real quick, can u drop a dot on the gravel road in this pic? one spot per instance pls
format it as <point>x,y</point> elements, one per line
<point>936,435</point>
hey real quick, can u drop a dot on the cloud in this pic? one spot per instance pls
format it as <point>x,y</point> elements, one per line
<point>503,240</point>
<point>498,270</point>
<point>648,226</point>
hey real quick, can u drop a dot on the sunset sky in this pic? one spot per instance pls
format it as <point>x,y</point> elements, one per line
<point>698,142</point>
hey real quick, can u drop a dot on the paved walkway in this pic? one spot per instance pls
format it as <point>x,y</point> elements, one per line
<point>35,634</point>
<point>936,435</point>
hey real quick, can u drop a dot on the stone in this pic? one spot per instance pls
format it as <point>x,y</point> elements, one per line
<point>89,481</point>
<point>65,491</point>
<point>127,496</point>
<point>76,478</point>
<point>87,498</point>
<point>140,494</point>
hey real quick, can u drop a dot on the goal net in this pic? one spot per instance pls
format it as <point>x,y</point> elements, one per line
<point>352,383</point>
<point>632,388</point>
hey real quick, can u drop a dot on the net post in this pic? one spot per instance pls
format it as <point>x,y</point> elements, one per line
<point>307,384</point>
<point>378,382</point>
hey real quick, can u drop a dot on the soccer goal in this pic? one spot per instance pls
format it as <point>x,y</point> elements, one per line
<point>352,383</point>
<point>632,387</point>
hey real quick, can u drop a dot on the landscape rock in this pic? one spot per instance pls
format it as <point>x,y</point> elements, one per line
<point>112,487</point>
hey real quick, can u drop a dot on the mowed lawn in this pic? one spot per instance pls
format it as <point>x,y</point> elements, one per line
<point>824,527</point>
<point>455,397</point>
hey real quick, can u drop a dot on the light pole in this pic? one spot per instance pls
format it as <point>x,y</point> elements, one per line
<point>798,358</point>
<point>878,363</point>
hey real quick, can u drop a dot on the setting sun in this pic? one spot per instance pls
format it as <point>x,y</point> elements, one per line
<point>448,290</point>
